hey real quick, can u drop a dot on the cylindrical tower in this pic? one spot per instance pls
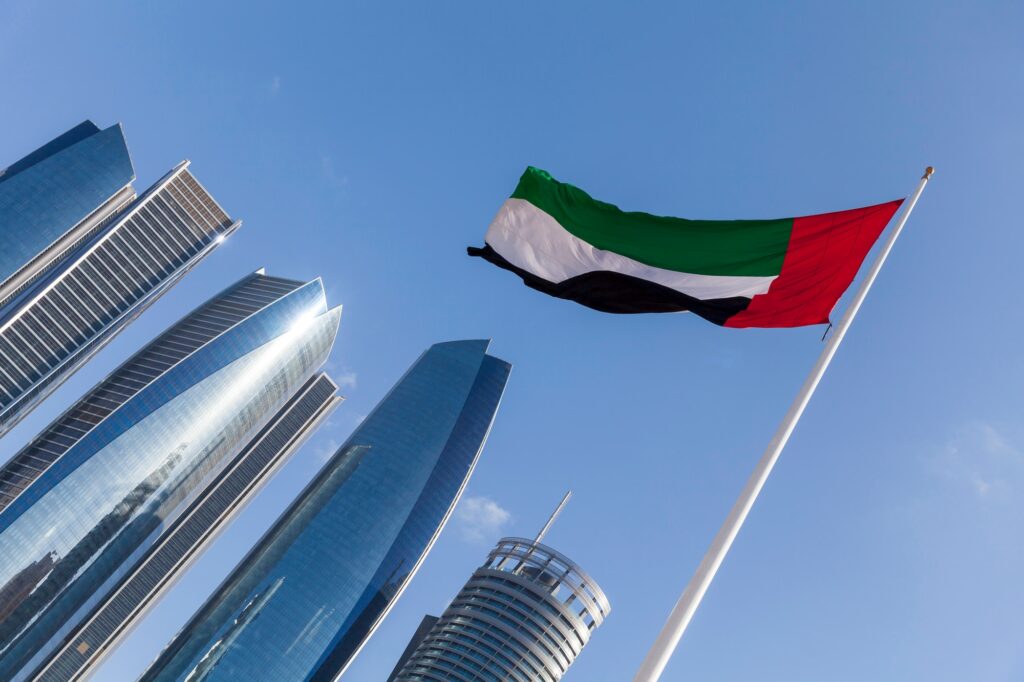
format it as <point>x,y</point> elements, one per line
<point>525,615</point>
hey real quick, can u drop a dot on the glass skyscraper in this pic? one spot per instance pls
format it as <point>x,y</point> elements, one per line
<point>312,591</point>
<point>81,256</point>
<point>85,647</point>
<point>83,504</point>
<point>58,196</point>
<point>525,615</point>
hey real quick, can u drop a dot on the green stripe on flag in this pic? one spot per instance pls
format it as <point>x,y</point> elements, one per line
<point>754,248</point>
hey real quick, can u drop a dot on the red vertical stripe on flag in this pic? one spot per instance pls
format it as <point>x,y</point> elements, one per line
<point>825,251</point>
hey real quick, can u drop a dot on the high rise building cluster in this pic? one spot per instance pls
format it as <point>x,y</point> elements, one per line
<point>107,506</point>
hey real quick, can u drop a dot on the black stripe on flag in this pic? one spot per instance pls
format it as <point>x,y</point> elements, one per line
<point>613,292</point>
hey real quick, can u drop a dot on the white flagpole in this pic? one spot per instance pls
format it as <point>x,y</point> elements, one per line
<point>668,639</point>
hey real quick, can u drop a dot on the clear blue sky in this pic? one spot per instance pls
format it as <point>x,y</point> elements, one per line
<point>370,145</point>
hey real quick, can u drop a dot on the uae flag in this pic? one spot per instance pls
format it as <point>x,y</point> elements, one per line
<point>737,273</point>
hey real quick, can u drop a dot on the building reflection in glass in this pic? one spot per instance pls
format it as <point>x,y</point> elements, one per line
<point>102,483</point>
<point>341,555</point>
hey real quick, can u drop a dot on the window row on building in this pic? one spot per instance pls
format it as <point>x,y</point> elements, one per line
<point>116,497</point>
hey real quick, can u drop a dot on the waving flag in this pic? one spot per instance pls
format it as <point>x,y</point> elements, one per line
<point>786,272</point>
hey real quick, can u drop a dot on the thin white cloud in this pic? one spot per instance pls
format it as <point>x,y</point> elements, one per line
<point>333,177</point>
<point>480,519</point>
<point>326,449</point>
<point>275,86</point>
<point>344,376</point>
<point>982,457</point>
<point>346,379</point>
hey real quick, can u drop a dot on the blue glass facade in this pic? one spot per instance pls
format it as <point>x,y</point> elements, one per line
<point>51,190</point>
<point>84,649</point>
<point>312,591</point>
<point>60,309</point>
<point>87,516</point>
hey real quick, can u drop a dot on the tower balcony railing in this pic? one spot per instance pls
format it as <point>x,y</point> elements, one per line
<point>562,577</point>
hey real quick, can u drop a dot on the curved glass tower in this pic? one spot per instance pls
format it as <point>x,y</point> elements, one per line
<point>81,257</point>
<point>84,501</point>
<point>57,196</point>
<point>312,591</point>
<point>525,615</point>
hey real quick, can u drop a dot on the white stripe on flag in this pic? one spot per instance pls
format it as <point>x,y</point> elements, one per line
<point>530,239</point>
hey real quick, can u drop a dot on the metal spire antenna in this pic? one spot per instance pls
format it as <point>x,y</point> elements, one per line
<point>551,519</point>
<point>543,531</point>
<point>668,639</point>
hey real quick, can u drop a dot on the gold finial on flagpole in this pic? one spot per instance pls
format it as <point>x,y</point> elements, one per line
<point>928,173</point>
